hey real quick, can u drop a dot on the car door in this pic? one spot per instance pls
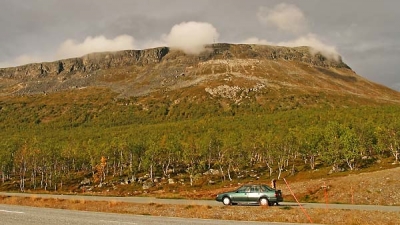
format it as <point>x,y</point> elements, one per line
<point>254,195</point>
<point>241,195</point>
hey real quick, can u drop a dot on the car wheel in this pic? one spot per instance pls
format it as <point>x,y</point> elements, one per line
<point>226,201</point>
<point>264,202</point>
<point>271,203</point>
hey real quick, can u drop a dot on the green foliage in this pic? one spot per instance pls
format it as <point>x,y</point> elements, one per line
<point>139,135</point>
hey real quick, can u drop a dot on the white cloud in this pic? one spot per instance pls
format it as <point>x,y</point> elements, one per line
<point>257,41</point>
<point>310,40</point>
<point>289,18</point>
<point>71,48</point>
<point>21,60</point>
<point>153,44</point>
<point>191,37</point>
<point>286,17</point>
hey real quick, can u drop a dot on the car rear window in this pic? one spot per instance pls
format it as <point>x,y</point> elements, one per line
<point>266,188</point>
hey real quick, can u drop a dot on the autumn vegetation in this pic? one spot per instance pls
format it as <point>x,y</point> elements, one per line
<point>52,142</point>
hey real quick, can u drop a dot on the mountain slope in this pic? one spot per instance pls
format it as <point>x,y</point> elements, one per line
<point>228,71</point>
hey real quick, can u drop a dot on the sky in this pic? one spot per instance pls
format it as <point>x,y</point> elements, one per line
<point>365,33</point>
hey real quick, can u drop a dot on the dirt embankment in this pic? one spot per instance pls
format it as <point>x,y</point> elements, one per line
<point>372,188</point>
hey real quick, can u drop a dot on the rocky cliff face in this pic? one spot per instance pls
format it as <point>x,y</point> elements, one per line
<point>86,64</point>
<point>100,61</point>
<point>220,67</point>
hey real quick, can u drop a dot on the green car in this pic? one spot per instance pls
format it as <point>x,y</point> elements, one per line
<point>251,194</point>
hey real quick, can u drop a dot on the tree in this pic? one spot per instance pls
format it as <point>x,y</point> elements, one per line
<point>350,147</point>
<point>332,154</point>
<point>7,152</point>
<point>137,155</point>
<point>100,174</point>
<point>169,152</point>
<point>21,162</point>
<point>267,151</point>
<point>191,157</point>
<point>311,145</point>
<point>367,138</point>
<point>389,141</point>
<point>292,144</point>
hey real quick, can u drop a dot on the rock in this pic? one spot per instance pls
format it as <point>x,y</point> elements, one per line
<point>171,181</point>
<point>211,172</point>
<point>86,181</point>
<point>101,185</point>
<point>147,185</point>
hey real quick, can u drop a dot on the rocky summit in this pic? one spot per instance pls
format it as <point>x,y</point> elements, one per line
<point>228,71</point>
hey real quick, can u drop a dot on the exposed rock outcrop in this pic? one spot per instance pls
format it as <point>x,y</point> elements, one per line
<point>86,64</point>
<point>107,60</point>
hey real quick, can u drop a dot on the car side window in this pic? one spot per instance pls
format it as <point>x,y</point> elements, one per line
<point>242,190</point>
<point>255,189</point>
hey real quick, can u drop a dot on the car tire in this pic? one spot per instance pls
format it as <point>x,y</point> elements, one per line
<point>264,202</point>
<point>226,201</point>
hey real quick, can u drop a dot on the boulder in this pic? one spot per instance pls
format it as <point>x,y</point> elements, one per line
<point>86,181</point>
<point>171,181</point>
<point>147,185</point>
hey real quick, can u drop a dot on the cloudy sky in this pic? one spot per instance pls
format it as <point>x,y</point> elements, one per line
<point>365,33</point>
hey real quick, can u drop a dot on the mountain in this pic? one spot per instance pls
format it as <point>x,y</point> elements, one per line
<point>233,72</point>
<point>241,110</point>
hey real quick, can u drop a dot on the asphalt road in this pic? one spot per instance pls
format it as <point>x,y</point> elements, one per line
<point>147,200</point>
<point>22,215</point>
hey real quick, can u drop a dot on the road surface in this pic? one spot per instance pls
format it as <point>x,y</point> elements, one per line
<point>22,215</point>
